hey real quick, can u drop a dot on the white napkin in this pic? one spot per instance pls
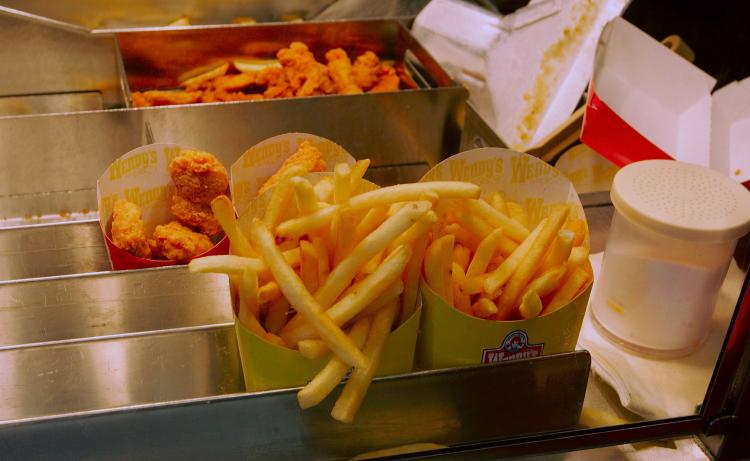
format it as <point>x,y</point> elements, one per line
<point>661,388</point>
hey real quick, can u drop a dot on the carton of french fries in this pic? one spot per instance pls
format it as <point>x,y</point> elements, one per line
<point>137,195</point>
<point>506,275</point>
<point>324,268</point>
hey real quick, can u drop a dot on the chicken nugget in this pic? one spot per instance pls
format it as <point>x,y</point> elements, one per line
<point>178,243</point>
<point>197,216</point>
<point>128,231</point>
<point>307,155</point>
<point>198,176</point>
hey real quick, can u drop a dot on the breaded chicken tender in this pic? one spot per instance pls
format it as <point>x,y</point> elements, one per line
<point>196,216</point>
<point>340,68</point>
<point>388,80</point>
<point>164,98</point>
<point>198,176</point>
<point>178,243</point>
<point>307,155</point>
<point>128,231</point>
<point>365,70</point>
<point>304,75</point>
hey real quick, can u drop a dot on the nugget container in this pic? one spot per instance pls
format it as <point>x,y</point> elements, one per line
<point>142,177</point>
<point>451,338</point>
<point>671,240</point>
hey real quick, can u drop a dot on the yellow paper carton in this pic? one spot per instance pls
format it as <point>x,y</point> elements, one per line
<point>451,338</point>
<point>265,365</point>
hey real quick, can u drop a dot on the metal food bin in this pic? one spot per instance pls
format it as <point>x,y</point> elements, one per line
<point>144,364</point>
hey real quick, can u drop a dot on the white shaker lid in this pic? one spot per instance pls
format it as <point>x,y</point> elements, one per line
<point>683,200</point>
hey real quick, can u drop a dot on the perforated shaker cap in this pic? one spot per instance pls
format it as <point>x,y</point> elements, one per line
<point>682,200</point>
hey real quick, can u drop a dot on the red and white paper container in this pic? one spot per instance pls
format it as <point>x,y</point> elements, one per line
<point>142,177</point>
<point>647,102</point>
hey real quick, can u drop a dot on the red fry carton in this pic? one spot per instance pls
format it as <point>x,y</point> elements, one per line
<point>646,102</point>
<point>142,177</point>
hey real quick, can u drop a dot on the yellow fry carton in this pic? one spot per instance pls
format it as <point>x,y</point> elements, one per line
<point>450,337</point>
<point>266,365</point>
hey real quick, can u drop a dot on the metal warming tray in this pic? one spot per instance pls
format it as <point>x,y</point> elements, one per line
<point>143,364</point>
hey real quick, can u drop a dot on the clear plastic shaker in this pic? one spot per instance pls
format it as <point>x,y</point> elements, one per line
<point>672,237</point>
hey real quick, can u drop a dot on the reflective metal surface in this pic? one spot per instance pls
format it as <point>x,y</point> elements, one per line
<point>50,103</point>
<point>448,407</point>
<point>156,59</point>
<point>38,59</point>
<point>56,379</point>
<point>66,308</point>
<point>102,15</point>
<point>49,250</point>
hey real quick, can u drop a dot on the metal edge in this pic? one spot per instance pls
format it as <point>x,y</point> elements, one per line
<point>23,15</point>
<point>583,355</point>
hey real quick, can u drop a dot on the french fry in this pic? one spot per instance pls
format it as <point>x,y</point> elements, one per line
<point>342,275</point>
<point>371,265</point>
<point>512,291</point>
<point>224,213</point>
<point>495,262</point>
<point>342,183</point>
<point>324,190</point>
<point>308,269</point>
<point>547,282</point>
<point>578,227</point>
<point>470,222</point>
<point>226,264</point>
<point>249,296</point>
<point>418,228</point>
<point>351,397</point>
<point>511,228</point>
<point>372,219</point>
<point>458,276</point>
<point>312,349</point>
<point>295,292</point>
<point>497,201</point>
<point>474,285</point>
<point>578,257</point>
<point>395,290</point>
<point>274,339</point>
<point>276,315</point>
<point>485,252</point>
<point>353,303</point>
<point>484,308</point>
<point>412,274</point>
<point>304,194</point>
<point>412,192</point>
<point>517,213</point>
<point>281,196</point>
<point>558,252</point>
<point>379,197</point>
<point>288,244</point>
<point>269,292</point>
<point>345,238</point>
<point>463,237</point>
<point>531,305</point>
<point>437,266</point>
<point>502,274</point>
<point>321,252</point>
<point>569,289</point>
<point>334,371</point>
<point>462,301</point>
<point>296,228</point>
<point>461,255</point>
<point>357,173</point>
